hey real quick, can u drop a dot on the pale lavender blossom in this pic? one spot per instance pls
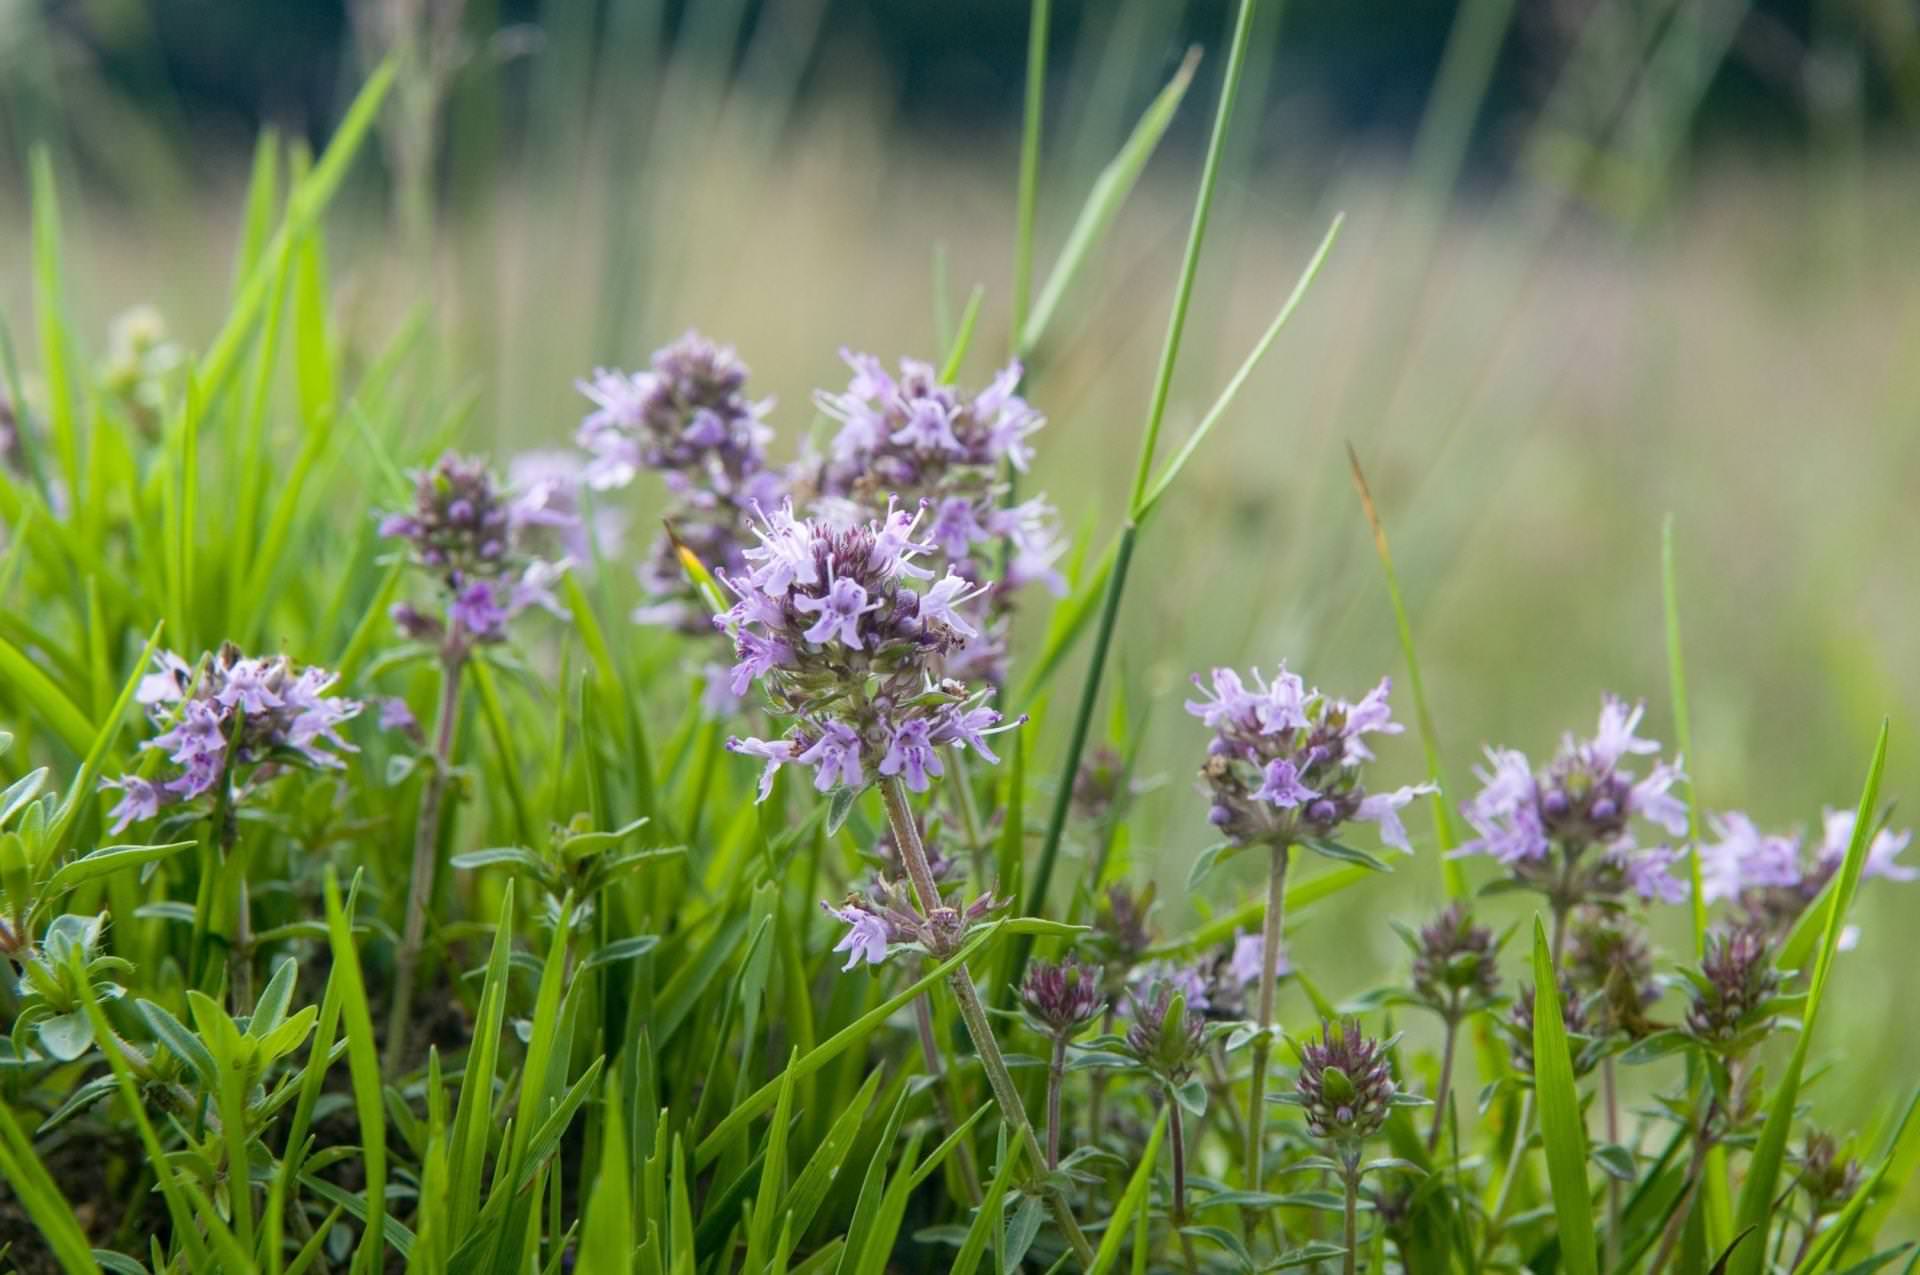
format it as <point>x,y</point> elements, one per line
<point>865,939</point>
<point>1743,858</point>
<point>1583,799</point>
<point>1836,827</point>
<point>827,623</point>
<point>1284,764</point>
<point>243,713</point>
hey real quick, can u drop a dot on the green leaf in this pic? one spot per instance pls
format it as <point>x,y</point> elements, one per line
<point>1683,734</point>
<point>105,862</point>
<point>36,691</point>
<point>364,1068</point>
<point>606,1238</point>
<point>1562,1125</point>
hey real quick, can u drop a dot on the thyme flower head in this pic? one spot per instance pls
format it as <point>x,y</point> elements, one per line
<point>688,418</point>
<point>1166,1031</point>
<point>1453,961</point>
<point>236,711</point>
<point>1061,997</point>
<point>1573,1017</point>
<point>468,531</point>
<point>1772,877</point>
<point>1733,988</point>
<point>913,437</point>
<point>830,625</point>
<point>1284,763</point>
<point>1345,1084</point>
<point>1585,798</point>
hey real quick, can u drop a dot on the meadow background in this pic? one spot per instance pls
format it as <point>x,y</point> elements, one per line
<point>1603,263</point>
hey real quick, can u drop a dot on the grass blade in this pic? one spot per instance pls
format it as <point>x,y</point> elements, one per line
<point>1683,733</point>
<point>1563,1128</point>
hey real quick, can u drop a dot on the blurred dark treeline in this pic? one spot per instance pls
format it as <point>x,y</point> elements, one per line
<point>1353,69</point>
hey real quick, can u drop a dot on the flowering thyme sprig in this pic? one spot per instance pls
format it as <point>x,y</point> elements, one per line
<point>829,625</point>
<point>688,419</point>
<point>466,530</point>
<point>1058,1001</point>
<point>1734,991</point>
<point>1283,769</point>
<point>470,533</point>
<point>1346,1088</point>
<point>235,713</point>
<point>1455,976</point>
<point>1541,824</point>
<point>912,437</point>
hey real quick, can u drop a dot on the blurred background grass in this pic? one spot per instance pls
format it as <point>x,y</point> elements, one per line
<point>1605,260</point>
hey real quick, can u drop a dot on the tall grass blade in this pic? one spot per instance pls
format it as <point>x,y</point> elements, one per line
<point>1563,1128</point>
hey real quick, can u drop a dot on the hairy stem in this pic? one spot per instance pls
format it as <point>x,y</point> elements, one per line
<point>1177,1140</point>
<point>1443,1096</point>
<point>426,845</point>
<point>906,835</point>
<point>1612,1098</point>
<point>1263,1043</point>
<point>1056,1078</point>
<point>1351,1157</point>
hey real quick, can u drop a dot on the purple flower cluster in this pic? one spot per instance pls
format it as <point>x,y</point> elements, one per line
<point>913,438</point>
<point>237,711</point>
<point>1583,799</point>
<point>469,531</point>
<point>1214,985</point>
<point>1771,878</point>
<point>885,914</point>
<point>1061,998</point>
<point>1284,763</point>
<point>688,419</point>
<point>829,624</point>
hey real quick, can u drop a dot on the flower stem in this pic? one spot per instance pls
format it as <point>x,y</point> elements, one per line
<point>1613,1184</point>
<point>1498,1213</point>
<point>1056,1077</point>
<point>1177,1139</point>
<point>1263,1043</point>
<point>1444,1095</point>
<point>1350,1261</point>
<point>426,845</point>
<point>893,794</point>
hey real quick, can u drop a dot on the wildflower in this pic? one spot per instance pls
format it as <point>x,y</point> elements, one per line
<point>242,712</point>
<point>1061,998</point>
<point>1583,799</point>
<point>467,530</point>
<point>1828,1175</point>
<point>689,419</point>
<point>1609,964</point>
<point>1166,1033</point>
<point>1837,833</point>
<point>1284,764</point>
<point>1573,1016</point>
<point>1453,962</point>
<point>827,623</point>
<point>1733,989</point>
<point>1772,878</point>
<point>913,437</point>
<point>1345,1084</point>
<point>866,937</point>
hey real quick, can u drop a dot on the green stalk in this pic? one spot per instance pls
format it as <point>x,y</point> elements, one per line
<point>1263,1043</point>
<point>893,794</point>
<point>1137,500</point>
<point>426,847</point>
